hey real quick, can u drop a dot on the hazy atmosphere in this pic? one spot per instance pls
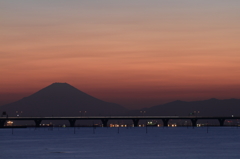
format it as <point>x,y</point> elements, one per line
<point>135,53</point>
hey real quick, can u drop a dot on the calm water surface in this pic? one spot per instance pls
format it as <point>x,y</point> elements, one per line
<point>109,143</point>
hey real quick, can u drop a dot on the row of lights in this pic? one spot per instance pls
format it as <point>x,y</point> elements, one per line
<point>194,112</point>
<point>20,112</point>
<point>83,112</point>
<point>142,112</point>
<point>10,123</point>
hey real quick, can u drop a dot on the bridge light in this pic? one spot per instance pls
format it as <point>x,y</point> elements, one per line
<point>9,123</point>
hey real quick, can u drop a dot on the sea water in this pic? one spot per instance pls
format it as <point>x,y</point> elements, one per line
<point>119,143</point>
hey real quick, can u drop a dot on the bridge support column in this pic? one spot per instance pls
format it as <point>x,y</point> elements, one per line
<point>2,122</point>
<point>104,122</point>
<point>72,122</point>
<point>221,121</point>
<point>38,122</point>
<point>135,122</point>
<point>194,122</point>
<point>165,122</point>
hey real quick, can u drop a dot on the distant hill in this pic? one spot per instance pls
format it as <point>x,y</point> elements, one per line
<point>211,107</point>
<point>61,99</point>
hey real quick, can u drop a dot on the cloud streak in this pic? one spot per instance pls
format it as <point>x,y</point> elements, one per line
<point>138,49</point>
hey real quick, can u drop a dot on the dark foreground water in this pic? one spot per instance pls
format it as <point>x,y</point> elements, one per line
<point>109,143</point>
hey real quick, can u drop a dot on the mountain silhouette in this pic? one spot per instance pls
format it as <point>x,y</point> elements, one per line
<point>210,107</point>
<point>61,99</point>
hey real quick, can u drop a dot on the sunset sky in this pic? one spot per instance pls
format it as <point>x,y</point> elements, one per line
<point>136,53</point>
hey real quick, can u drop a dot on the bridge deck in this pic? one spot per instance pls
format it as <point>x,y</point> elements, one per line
<point>119,117</point>
<point>105,119</point>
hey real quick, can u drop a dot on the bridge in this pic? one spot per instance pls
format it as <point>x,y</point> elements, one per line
<point>105,119</point>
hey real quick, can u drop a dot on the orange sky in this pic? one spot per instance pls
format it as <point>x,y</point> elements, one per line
<point>135,53</point>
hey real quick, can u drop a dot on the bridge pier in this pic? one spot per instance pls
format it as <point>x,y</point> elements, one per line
<point>38,122</point>
<point>194,122</point>
<point>221,121</point>
<point>165,122</point>
<point>135,122</point>
<point>72,122</point>
<point>2,122</point>
<point>104,122</point>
